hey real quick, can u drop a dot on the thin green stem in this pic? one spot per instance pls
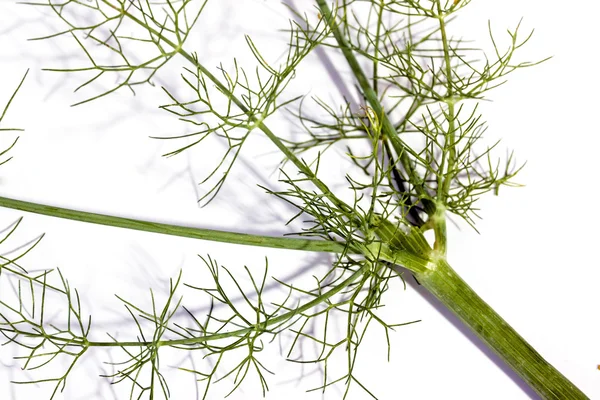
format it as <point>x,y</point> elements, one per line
<point>449,152</point>
<point>177,230</point>
<point>439,278</point>
<point>376,50</point>
<point>10,100</point>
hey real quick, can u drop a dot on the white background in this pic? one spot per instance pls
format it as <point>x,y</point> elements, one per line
<point>534,260</point>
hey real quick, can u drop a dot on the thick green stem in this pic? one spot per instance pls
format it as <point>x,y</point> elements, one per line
<point>177,230</point>
<point>457,296</point>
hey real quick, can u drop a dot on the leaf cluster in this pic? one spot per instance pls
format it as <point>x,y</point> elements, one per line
<point>412,141</point>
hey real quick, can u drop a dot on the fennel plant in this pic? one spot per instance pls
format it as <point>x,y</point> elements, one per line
<point>414,142</point>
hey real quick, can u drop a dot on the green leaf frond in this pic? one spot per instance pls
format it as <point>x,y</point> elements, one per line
<point>232,111</point>
<point>355,310</point>
<point>44,320</point>
<point>230,336</point>
<point>112,34</point>
<point>141,367</point>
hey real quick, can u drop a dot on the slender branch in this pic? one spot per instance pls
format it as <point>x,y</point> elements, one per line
<point>444,186</point>
<point>376,49</point>
<point>177,230</point>
<point>445,179</point>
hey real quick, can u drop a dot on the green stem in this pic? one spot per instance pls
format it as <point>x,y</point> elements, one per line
<point>449,153</point>
<point>457,296</point>
<point>387,127</point>
<point>376,48</point>
<point>177,230</point>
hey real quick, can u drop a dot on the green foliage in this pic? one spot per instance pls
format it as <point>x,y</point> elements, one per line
<point>413,142</point>
<point>24,322</point>
<point>111,55</point>
<point>256,102</point>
